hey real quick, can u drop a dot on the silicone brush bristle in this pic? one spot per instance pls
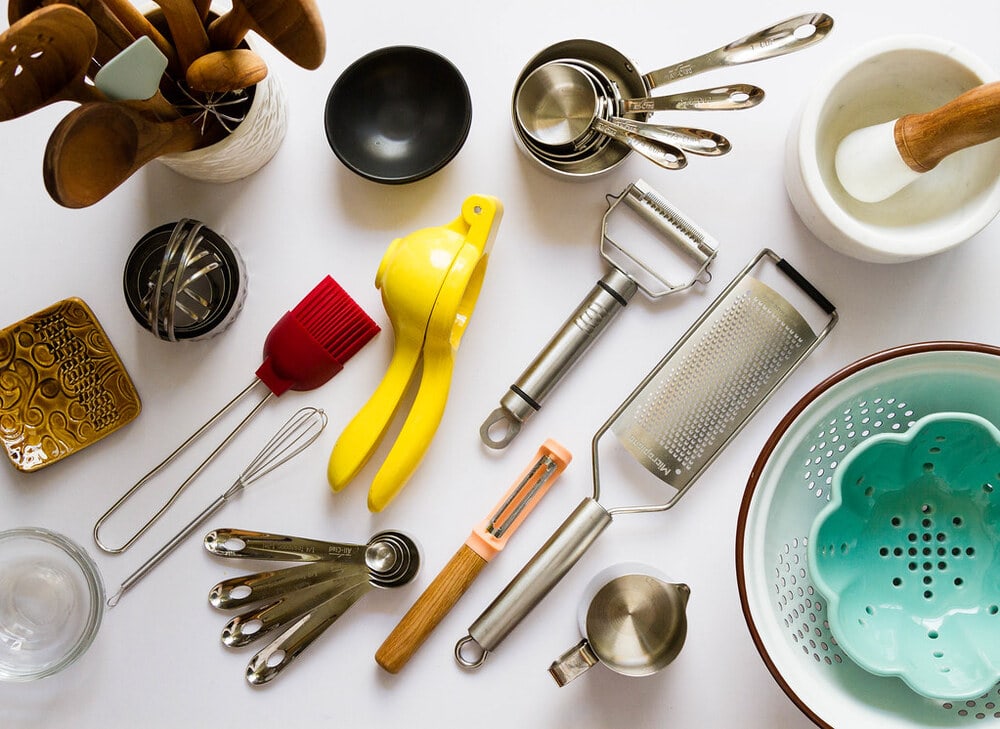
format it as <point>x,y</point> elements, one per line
<point>334,320</point>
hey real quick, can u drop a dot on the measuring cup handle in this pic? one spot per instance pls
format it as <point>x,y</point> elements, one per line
<point>609,296</point>
<point>787,36</point>
<point>563,550</point>
<point>573,662</point>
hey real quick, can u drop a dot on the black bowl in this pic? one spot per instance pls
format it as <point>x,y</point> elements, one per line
<point>398,114</point>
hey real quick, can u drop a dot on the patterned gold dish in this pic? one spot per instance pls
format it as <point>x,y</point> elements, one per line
<point>62,385</point>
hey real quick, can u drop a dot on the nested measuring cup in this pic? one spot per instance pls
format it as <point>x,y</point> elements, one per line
<point>784,37</point>
<point>634,621</point>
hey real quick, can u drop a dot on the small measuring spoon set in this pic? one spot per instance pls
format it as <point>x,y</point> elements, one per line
<point>300,601</point>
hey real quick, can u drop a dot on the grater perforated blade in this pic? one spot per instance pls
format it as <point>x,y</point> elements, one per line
<point>712,382</point>
<point>678,419</point>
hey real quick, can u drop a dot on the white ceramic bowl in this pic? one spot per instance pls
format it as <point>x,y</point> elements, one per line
<point>880,82</point>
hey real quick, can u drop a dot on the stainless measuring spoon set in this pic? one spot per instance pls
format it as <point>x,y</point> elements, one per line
<point>299,602</point>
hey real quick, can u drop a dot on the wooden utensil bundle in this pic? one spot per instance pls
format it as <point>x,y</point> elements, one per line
<point>53,51</point>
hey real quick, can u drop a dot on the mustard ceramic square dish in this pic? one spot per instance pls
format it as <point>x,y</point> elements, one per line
<point>62,385</point>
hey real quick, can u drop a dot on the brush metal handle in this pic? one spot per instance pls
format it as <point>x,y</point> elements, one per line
<point>563,550</point>
<point>659,153</point>
<point>608,297</point>
<point>244,590</point>
<point>720,98</point>
<point>245,544</point>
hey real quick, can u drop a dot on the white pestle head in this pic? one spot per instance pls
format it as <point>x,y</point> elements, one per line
<point>869,166</point>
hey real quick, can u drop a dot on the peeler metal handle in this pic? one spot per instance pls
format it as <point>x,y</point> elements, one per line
<point>629,272</point>
<point>577,334</point>
<point>535,580</point>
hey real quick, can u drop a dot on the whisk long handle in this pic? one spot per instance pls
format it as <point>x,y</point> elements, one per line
<point>430,608</point>
<point>535,580</point>
<point>129,582</point>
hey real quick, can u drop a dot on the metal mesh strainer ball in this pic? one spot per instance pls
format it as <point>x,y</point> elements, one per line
<point>184,281</point>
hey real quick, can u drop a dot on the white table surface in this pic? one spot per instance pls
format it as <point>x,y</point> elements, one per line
<point>158,662</point>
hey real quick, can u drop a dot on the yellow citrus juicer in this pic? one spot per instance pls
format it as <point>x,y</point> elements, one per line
<point>430,281</point>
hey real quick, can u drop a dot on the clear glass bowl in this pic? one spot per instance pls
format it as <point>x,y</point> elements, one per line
<point>51,603</point>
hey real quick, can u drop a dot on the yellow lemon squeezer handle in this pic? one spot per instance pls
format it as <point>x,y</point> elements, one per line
<point>454,258</point>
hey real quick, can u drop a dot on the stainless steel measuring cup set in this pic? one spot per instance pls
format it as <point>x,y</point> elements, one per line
<point>580,107</point>
<point>677,421</point>
<point>299,602</point>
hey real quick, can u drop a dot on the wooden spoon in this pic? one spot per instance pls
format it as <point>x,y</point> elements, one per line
<point>186,30</point>
<point>223,71</point>
<point>138,24</point>
<point>44,57</point>
<point>101,144</point>
<point>294,27</point>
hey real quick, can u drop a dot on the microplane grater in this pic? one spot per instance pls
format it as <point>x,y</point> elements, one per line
<point>710,385</point>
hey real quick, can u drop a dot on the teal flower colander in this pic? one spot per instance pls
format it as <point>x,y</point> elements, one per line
<point>905,554</point>
<point>787,614</point>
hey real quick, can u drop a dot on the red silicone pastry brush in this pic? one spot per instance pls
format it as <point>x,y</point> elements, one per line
<point>304,350</point>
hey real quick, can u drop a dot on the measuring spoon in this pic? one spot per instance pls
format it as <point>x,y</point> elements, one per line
<point>274,658</point>
<point>247,627</point>
<point>244,590</point>
<point>381,557</point>
<point>99,145</point>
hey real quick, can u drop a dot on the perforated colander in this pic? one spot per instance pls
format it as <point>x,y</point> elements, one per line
<point>788,488</point>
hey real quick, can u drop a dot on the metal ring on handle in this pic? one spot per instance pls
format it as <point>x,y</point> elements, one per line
<point>465,662</point>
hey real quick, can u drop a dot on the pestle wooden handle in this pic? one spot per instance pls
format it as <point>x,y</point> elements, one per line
<point>972,118</point>
<point>429,609</point>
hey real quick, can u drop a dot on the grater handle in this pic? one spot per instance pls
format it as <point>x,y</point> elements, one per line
<point>608,297</point>
<point>535,580</point>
